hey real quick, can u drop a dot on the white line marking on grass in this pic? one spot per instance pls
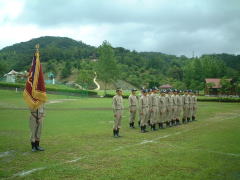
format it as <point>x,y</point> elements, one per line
<point>223,153</point>
<point>7,153</point>
<point>59,101</point>
<point>206,150</point>
<point>24,173</point>
<point>146,141</point>
<point>74,160</point>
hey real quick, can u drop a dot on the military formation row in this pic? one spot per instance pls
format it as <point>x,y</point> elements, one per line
<point>157,109</point>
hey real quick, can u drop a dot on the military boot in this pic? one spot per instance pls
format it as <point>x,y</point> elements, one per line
<point>183,120</point>
<point>151,127</point>
<point>130,124</point>
<point>144,128</point>
<point>154,127</point>
<point>117,133</point>
<point>133,125</point>
<point>33,147</point>
<point>38,147</point>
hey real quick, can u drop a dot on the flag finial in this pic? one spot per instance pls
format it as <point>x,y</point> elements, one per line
<point>37,47</point>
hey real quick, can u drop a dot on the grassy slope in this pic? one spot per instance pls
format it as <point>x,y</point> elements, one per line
<point>197,152</point>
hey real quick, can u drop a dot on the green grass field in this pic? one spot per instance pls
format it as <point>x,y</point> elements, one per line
<point>79,143</point>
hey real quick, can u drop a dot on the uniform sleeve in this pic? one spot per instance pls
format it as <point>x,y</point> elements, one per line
<point>150,101</point>
<point>129,101</point>
<point>140,105</point>
<point>114,105</point>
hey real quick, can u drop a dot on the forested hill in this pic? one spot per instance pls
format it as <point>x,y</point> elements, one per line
<point>137,68</point>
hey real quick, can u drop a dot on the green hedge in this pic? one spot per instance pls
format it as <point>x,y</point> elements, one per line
<point>111,95</point>
<point>53,89</point>
<point>219,99</point>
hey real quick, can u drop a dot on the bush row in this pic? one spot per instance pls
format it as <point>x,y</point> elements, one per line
<point>203,99</point>
<point>219,99</point>
<point>53,89</point>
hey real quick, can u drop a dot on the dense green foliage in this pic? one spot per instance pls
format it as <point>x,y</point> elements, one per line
<point>62,55</point>
<point>52,89</point>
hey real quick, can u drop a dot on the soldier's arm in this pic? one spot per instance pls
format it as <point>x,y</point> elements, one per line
<point>114,105</point>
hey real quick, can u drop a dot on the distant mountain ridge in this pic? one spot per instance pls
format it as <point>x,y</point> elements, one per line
<point>137,68</point>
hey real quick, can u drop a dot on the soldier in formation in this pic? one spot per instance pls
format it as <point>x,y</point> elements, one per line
<point>154,109</point>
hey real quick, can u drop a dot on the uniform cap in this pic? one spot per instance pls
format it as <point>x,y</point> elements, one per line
<point>134,89</point>
<point>144,90</point>
<point>119,89</point>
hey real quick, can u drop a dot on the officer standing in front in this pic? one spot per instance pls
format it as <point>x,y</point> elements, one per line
<point>132,99</point>
<point>117,105</point>
<point>35,124</point>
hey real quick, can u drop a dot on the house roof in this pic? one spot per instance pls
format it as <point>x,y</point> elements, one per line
<point>165,86</point>
<point>215,81</point>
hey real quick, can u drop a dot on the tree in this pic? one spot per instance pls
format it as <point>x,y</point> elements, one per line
<point>107,69</point>
<point>52,67</point>
<point>85,78</point>
<point>226,86</point>
<point>67,70</point>
<point>3,69</point>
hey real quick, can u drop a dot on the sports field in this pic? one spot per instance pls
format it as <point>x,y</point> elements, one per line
<point>77,136</point>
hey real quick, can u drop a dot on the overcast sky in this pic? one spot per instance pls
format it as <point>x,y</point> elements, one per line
<point>178,27</point>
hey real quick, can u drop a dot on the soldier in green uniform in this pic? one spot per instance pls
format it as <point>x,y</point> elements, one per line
<point>153,108</point>
<point>139,117</point>
<point>179,107</point>
<point>175,107</point>
<point>168,108</point>
<point>162,109</point>
<point>185,101</point>
<point>35,124</point>
<point>117,105</point>
<point>149,105</point>
<point>144,109</point>
<point>194,99</point>
<point>132,99</point>
<point>190,105</point>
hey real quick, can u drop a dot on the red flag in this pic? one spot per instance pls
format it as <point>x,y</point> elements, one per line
<point>35,91</point>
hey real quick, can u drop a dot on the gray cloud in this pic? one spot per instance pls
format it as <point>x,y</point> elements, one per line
<point>175,27</point>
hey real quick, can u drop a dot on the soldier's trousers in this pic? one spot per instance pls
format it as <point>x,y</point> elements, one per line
<point>170,114</point>
<point>154,115</point>
<point>35,128</point>
<point>144,116</point>
<point>179,111</point>
<point>175,112</point>
<point>186,111</point>
<point>194,110</point>
<point>133,114</point>
<point>117,120</point>
<point>190,110</point>
<point>162,115</point>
